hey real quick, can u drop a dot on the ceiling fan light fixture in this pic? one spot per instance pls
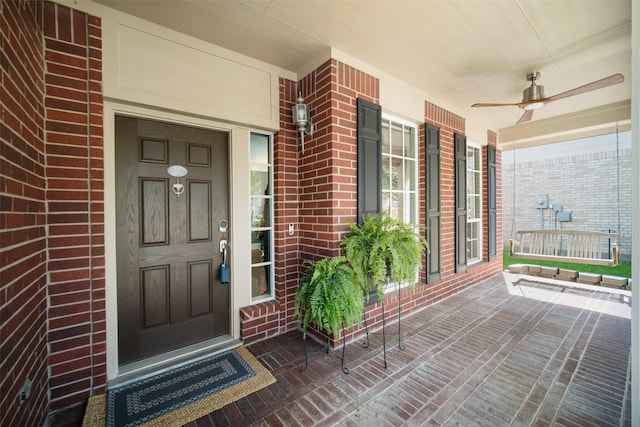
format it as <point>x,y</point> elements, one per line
<point>533,96</point>
<point>533,106</point>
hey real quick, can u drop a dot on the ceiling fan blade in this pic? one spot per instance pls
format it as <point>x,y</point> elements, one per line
<point>598,84</point>
<point>525,117</point>
<point>491,104</point>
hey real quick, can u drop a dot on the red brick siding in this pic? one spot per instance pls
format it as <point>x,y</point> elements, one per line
<point>327,190</point>
<point>315,189</point>
<point>260,321</point>
<point>286,148</point>
<point>74,158</point>
<point>424,295</point>
<point>51,132</point>
<point>51,209</point>
<point>449,125</point>
<point>328,171</point>
<point>23,257</point>
<point>255,323</point>
<point>450,283</point>
<point>328,179</point>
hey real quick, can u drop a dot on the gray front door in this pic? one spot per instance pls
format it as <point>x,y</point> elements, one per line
<point>168,244</point>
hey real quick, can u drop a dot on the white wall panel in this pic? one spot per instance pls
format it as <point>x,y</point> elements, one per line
<point>153,70</point>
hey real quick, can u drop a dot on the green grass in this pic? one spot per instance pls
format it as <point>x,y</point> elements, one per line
<point>623,269</point>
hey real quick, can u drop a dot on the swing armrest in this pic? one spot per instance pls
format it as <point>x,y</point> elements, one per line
<point>512,245</point>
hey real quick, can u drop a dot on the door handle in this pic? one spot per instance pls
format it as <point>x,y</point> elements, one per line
<point>225,275</point>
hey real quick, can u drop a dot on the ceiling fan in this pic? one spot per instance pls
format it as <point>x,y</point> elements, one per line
<point>533,96</point>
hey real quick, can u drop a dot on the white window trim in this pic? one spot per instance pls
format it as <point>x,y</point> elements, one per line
<point>481,201</point>
<point>270,165</point>
<point>415,126</point>
<point>393,286</point>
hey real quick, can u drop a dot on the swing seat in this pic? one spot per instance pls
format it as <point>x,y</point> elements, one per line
<point>586,247</point>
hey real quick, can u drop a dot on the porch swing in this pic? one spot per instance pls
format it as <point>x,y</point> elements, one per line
<point>577,246</point>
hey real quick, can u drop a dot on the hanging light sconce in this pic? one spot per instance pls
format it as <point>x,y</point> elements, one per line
<point>302,119</point>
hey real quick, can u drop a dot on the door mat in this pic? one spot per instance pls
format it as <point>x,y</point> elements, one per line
<point>182,395</point>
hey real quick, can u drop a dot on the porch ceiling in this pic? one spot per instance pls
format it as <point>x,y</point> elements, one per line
<point>457,52</point>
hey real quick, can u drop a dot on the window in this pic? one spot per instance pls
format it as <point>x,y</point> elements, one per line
<point>261,169</point>
<point>387,167</point>
<point>399,166</point>
<point>474,204</point>
<point>399,172</point>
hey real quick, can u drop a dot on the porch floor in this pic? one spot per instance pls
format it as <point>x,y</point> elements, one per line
<point>534,352</point>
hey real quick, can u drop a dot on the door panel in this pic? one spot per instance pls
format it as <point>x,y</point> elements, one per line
<point>154,215</point>
<point>169,295</point>
<point>155,295</point>
<point>199,203</point>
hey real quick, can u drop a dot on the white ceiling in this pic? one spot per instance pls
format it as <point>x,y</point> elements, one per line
<point>457,52</point>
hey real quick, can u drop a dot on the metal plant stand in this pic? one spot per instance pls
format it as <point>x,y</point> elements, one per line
<point>401,345</point>
<point>329,351</point>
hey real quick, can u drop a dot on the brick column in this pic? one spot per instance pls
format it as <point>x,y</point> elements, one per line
<point>74,158</point>
<point>328,167</point>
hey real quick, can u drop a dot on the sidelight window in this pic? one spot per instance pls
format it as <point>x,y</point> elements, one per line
<point>261,181</point>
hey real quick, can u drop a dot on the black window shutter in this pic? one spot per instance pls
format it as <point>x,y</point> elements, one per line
<point>369,159</point>
<point>460,147</point>
<point>432,143</point>
<point>491,203</point>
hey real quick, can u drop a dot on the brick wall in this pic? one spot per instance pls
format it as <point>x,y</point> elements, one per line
<point>286,207</point>
<point>263,320</point>
<point>326,178</point>
<point>424,295</point>
<point>314,189</point>
<point>585,184</point>
<point>449,125</point>
<point>328,172</point>
<point>51,209</point>
<point>52,187</point>
<point>74,157</point>
<point>23,257</point>
<point>450,283</point>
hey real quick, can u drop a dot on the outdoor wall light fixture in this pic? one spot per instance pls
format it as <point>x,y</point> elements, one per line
<point>302,119</point>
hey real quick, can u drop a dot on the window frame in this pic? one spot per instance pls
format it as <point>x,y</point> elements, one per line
<point>477,196</point>
<point>411,216</point>
<point>260,230</point>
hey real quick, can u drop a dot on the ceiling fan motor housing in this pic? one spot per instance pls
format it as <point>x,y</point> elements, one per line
<point>533,92</point>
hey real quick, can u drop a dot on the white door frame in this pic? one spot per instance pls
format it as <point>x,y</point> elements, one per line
<point>239,220</point>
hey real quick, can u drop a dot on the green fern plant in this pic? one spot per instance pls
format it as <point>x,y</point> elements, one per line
<point>329,296</point>
<point>384,247</point>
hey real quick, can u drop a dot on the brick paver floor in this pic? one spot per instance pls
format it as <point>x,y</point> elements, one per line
<point>501,353</point>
